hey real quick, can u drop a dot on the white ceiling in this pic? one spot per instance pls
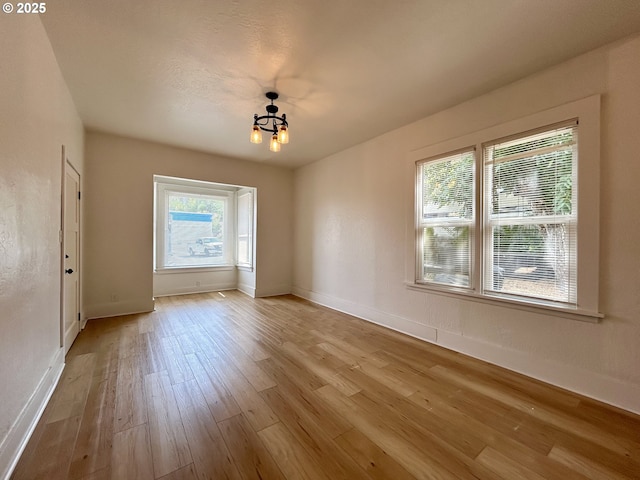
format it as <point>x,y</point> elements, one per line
<point>192,73</point>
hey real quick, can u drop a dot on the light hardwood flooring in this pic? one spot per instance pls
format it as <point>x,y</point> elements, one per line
<point>224,386</point>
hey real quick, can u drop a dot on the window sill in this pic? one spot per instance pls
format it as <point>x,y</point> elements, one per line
<point>245,268</point>
<point>534,307</point>
<point>207,268</point>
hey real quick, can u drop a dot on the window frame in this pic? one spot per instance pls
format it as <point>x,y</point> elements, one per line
<point>250,220</point>
<point>421,223</point>
<point>587,113</point>
<point>165,186</point>
<point>570,219</point>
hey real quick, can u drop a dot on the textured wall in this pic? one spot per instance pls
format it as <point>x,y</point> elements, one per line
<point>37,117</point>
<point>352,243</point>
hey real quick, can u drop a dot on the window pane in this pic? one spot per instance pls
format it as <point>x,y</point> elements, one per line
<point>448,187</point>
<point>533,176</point>
<point>533,261</point>
<point>194,235</point>
<point>531,216</point>
<point>446,257</point>
<point>245,228</point>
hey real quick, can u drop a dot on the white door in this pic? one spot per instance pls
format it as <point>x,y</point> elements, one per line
<point>71,250</point>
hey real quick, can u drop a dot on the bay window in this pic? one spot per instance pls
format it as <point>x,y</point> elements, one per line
<point>200,225</point>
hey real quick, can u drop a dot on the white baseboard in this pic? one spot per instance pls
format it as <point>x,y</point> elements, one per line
<point>16,439</point>
<point>599,387</point>
<point>388,320</point>
<point>247,289</point>
<point>114,309</point>
<point>213,287</point>
<point>273,290</point>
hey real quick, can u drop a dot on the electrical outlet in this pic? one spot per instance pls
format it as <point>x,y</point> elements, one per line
<point>114,297</point>
<point>197,284</point>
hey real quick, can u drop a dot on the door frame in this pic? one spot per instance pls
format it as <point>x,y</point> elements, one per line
<point>65,161</point>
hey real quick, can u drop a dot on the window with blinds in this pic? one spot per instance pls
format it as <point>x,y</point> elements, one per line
<point>509,215</point>
<point>446,220</point>
<point>530,220</point>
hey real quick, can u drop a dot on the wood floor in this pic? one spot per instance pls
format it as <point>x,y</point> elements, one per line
<point>224,386</point>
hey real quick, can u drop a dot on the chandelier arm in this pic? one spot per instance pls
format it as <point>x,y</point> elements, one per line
<point>267,119</point>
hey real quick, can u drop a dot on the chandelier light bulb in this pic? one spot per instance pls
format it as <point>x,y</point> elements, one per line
<point>256,134</point>
<point>283,134</point>
<point>274,145</point>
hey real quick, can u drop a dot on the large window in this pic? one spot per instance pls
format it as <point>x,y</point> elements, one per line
<point>202,225</point>
<point>502,219</point>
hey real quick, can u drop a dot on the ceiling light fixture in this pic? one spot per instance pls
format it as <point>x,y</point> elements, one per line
<point>272,123</point>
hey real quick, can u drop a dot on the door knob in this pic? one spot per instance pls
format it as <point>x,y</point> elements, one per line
<point>69,271</point>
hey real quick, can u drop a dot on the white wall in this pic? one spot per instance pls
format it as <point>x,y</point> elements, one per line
<point>37,116</point>
<point>119,220</point>
<point>351,236</point>
<point>181,283</point>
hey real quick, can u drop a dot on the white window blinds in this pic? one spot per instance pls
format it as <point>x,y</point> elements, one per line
<point>530,219</point>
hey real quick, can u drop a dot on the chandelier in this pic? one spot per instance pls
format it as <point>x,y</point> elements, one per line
<point>272,123</point>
